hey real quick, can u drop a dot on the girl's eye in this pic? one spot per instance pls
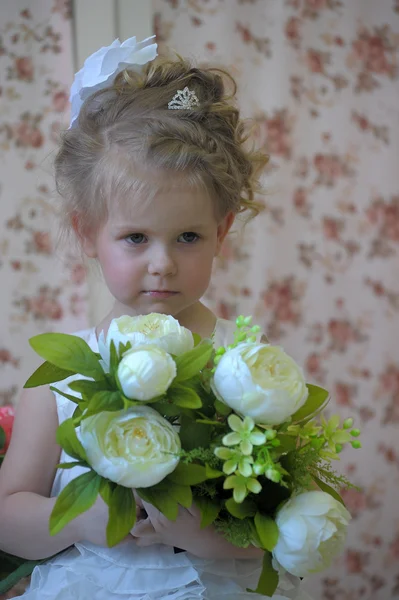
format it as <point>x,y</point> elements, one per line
<point>136,238</point>
<point>188,237</point>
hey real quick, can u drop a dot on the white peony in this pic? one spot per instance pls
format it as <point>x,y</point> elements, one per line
<point>260,381</point>
<point>101,68</point>
<point>312,532</point>
<point>136,447</point>
<point>146,372</point>
<point>156,329</point>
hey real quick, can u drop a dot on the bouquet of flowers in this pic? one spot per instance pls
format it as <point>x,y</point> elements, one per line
<point>235,430</point>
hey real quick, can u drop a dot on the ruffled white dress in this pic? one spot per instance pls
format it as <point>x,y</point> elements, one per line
<point>86,571</point>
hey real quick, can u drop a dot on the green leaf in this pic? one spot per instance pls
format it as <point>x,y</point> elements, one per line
<point>67,439</point>
<point>75,399</point>
<point>288,443</point>
<point>197,339</point>
<point>122,515</point>
<point>2,438</point>
<point>114,358</point>
<point>222,408</point>
<point>213,473</point>
<point>193,361</point>
<point>181,493</point>
<point>267,531</point>
<point>47,373</point>
<point>106,490</point>
<point>104,401</point>
<point>78,496</point>
<point>88,387</point>
<point>317,399</point>
<point>328,489</point>
<point>193,435</point>
<point>166,409</point>
<point>72,464</point>
<point>68,352</point>
<point>242,510</point>
<point>161,500</point>
<point>268,580</point>
<point>184,396</point>
<point>190,474</point>
<point>209,510</point>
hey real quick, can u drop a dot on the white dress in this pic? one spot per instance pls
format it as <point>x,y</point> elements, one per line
<point>127,572</point>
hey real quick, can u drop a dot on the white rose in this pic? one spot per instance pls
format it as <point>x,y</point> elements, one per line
<point>158,330</point>
<point>312,532</point>
<point>260,381</point>
<point>146,372</point>
<point>134,447</point>
<point>101,68</point>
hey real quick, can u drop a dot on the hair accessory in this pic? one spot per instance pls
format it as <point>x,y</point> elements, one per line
<point>101,68</point>
<point>184,100</point>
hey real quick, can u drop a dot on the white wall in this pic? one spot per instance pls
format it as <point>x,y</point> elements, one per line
<point>97,23</point>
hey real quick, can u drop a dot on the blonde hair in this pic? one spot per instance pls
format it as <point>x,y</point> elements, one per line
<point>126,132</point>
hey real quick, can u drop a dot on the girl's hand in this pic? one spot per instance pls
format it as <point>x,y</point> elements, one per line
<point>185,533</point>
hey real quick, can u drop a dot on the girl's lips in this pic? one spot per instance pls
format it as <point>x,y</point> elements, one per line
<point>160,293</point>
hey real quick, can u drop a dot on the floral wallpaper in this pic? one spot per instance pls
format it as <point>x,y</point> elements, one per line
<point>40,290</point>
<point>319,268</point>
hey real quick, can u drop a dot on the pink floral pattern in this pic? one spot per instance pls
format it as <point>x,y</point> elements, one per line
<point>319,267</point>
<point>40,292</point>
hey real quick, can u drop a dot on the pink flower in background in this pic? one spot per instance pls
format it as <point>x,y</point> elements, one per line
<point>316,4</point>
<point>341,333</point>
<point>24,68</point>
<point>355,501</point>
<point>315,61</point>
<point>42,243</point>
<point>60,101</point>
<point>27,135</point>
<point>356,561</point>
<point>7,414</point>
<point>370,50</point>
<point>343,393</point>
<point>78,273</point>
<point>44,306</point>
<point>293,31</point>
<point>332,228</point>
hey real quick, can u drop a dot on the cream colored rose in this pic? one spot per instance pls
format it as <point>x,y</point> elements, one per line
<point>312,532</point>
<point>146,372</point>
<point>260,381</point>
<point>156,329</point>
<point>134,447</point>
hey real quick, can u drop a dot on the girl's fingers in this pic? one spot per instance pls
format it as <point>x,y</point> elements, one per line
<point>143,528</point>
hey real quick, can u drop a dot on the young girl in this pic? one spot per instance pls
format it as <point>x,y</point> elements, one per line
<point>152,174</point>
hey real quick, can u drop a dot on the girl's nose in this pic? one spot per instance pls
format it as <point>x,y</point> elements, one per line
<point>162,263</point>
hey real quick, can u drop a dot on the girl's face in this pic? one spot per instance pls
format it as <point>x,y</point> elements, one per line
<point>157,255</point>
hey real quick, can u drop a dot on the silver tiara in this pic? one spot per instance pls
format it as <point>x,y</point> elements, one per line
<point>184,100</point>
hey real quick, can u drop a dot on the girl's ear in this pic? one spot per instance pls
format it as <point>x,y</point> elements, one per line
<point>223,229</point>
<point>85,234</point>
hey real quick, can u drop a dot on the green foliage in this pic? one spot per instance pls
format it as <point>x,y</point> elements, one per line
<point>267,531</point>
<point>47,373</point>
<point>192,362</point>
<point>184,396</point>
<point>316,400</point>
<point>68,352</point>
<point>122,514</point>
<point>67,439</point>
<point>77,497</point>
<point>236,531</point>
<point>209,510</point>
<point>268,580</point>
